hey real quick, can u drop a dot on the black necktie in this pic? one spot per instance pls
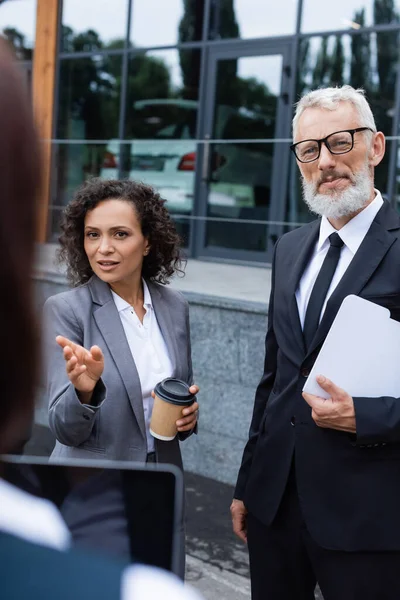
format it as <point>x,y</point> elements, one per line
<point>320,289</point>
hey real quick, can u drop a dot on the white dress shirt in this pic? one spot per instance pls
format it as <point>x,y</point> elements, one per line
<point>38,521</point>
<point>148,349</point>
<point>352,234</point>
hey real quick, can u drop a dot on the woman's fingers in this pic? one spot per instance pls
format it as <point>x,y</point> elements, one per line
<point>96,353</point>
<point>188,421</point>
<point>193,408</point>
<point>71,363</point>
<point>63,342</point>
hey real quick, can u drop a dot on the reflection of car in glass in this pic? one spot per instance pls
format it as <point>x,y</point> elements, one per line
<point>163,154</point>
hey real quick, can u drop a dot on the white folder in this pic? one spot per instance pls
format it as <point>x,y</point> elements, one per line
<point>361,353</point>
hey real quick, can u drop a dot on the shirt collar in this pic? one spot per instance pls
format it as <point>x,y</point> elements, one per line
<point>355,230</point>
<point>33,519</point>
<point>122,304</point>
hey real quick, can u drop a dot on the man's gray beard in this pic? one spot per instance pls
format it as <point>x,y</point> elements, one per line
<point>341,203</point>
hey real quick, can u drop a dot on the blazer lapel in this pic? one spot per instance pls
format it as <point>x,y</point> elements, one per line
<point>365,262</point>
<point>109,323</point>
<point>166,325</point>
<point>299,263</point>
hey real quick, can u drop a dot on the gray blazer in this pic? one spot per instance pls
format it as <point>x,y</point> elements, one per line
<point>113,426</point>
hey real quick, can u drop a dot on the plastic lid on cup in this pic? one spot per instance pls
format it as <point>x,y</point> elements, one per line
<point>174,391</point>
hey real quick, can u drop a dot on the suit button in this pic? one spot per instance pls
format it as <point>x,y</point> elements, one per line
<point>293,421</point>
<point>85,416</point>
<point>305,372</point>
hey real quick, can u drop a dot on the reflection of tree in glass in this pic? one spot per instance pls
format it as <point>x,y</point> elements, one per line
<point>373,67</point>
<point>321,74</point>
<point>17,40</point>
<point>303,66</point>
<point>223,22</point>
<point>337,62</point>
<point>88,107</point>
<point>190,29</point>
<point>382,96</point>
<point>360,56</point>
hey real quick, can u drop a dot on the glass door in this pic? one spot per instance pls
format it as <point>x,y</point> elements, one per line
<point>241,179</point>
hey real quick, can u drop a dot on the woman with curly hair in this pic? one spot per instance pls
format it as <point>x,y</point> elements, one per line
<point>120,330</point>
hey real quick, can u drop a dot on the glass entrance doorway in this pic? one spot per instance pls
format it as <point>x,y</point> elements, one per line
<point>247,112</point>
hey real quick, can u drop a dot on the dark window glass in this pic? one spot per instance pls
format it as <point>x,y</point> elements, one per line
<point>17,24</point>
<point>363,60</point>
<point>252,18</point>
<point>397,182</point>
<point>166,22</point>
<point>348,14</point>
<point>240,172</point>
<point>93,25</point>
<point>160,127</point>
<point>89,98</point>
<point>297,211</point>
<point>72,165</point>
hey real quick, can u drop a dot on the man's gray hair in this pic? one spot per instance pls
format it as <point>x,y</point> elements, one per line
<point>329,99</point>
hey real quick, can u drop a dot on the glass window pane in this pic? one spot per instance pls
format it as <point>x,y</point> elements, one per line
<point>366,60</point>
<point>176,21</point>
<point>252,18</point>
<point>93,24</point>
<point>17,24</point>
<point>240,173</point>
<point>160,127</point>
<point>348,14</point>
<point>239,196</point>
<point>73,164</point>
<point>89,98</point>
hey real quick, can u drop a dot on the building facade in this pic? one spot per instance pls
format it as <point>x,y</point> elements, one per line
<point>196,98</point>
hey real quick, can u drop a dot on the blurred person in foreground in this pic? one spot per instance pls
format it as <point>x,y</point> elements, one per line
<point>35,560</point>
<point>120,330</point>
<point>318,491</point>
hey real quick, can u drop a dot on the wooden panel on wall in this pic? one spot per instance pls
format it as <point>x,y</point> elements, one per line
<point>44,76</point>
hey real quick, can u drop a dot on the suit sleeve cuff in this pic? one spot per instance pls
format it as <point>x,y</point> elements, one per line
<point>377,420</point>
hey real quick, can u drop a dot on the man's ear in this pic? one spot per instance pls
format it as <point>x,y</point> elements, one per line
<point>377,151</point>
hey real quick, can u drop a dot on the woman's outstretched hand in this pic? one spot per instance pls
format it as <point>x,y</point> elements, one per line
<point>84,367</point>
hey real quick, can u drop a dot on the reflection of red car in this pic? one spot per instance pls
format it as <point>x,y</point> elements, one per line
<point>188,161</point>
<point>110,160</point>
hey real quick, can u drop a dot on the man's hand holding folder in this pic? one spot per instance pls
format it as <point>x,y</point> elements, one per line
<point>335,412</point>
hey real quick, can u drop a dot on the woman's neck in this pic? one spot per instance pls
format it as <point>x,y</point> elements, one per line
<point>132,291</point>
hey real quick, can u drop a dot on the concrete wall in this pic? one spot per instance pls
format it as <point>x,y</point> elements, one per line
<point>228,355</point>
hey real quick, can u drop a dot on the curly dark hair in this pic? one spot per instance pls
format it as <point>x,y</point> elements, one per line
<point>164,258</point>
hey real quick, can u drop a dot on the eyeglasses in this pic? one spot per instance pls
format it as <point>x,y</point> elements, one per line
<point>339,142</point>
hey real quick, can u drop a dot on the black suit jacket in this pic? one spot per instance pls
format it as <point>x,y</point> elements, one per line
<point>348,485</point>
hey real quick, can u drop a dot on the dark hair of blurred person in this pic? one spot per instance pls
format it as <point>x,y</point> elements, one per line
<point>20,179</point>
<point>34,541</point>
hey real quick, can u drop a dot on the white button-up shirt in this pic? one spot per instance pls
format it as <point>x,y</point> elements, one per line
<point>148,349</point>
<point>352,235</point>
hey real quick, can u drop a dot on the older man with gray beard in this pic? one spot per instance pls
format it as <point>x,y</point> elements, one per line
<point>318,492</point>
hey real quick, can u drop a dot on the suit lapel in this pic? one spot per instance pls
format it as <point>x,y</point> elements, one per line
<point>109,322</point>
<point>365,262</point>
<point>165,322</point>
<point>299,263</point>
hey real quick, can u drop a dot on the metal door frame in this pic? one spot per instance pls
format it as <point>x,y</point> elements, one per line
<point>280,158</point>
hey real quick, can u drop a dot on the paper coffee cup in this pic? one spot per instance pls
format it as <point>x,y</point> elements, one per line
<point>171,397</point>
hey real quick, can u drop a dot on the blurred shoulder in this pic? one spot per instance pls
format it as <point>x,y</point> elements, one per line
<point>147,583</point>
